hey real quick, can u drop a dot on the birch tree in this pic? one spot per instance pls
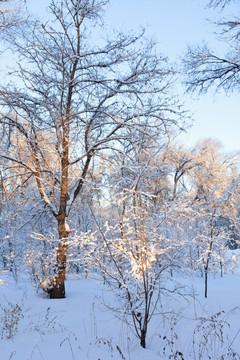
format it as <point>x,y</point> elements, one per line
<point>76,95</point>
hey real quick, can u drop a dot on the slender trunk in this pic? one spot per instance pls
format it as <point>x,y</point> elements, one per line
<point>144,328</point>
<point>58,289</point>
<point>207,265</point>
<point>143,338</point>
<point>206,281</point>
<point>208,257</point>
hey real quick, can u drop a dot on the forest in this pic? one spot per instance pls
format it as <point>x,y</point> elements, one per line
<point>98,193</point>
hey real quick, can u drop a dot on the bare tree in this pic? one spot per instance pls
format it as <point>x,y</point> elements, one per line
<point>216,188</point>
<point>75,97</point>
<point>132,256</point>
<point>205,68</point>
<point>11,13</point>
<point>222,3</point>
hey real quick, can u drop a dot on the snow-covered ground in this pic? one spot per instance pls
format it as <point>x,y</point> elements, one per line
<point>80,327</point>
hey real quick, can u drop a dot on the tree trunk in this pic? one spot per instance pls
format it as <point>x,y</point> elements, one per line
<point>58,289</point>
<point>143,338</point>
<point>221,266</point>
<point>207,266</point>
<point>206,281</point>
<point>208,257</point>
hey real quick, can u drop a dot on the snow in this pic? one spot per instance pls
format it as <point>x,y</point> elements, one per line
<point>34,327</point>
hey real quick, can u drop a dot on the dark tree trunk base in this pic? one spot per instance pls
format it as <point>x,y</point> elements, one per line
<point>143,343</point>
<point>206,283</point>
<point>143,339</point>
<point>58,290</point>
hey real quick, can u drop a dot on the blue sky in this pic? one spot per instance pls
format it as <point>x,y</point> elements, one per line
<point>174,24</point>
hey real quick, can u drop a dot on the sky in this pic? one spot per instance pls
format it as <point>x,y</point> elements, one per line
<point>174,24</point>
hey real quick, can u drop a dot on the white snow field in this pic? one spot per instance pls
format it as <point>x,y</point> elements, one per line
<point>81,327</point>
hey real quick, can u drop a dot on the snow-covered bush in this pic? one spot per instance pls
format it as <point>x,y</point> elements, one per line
<point>133,258</point>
